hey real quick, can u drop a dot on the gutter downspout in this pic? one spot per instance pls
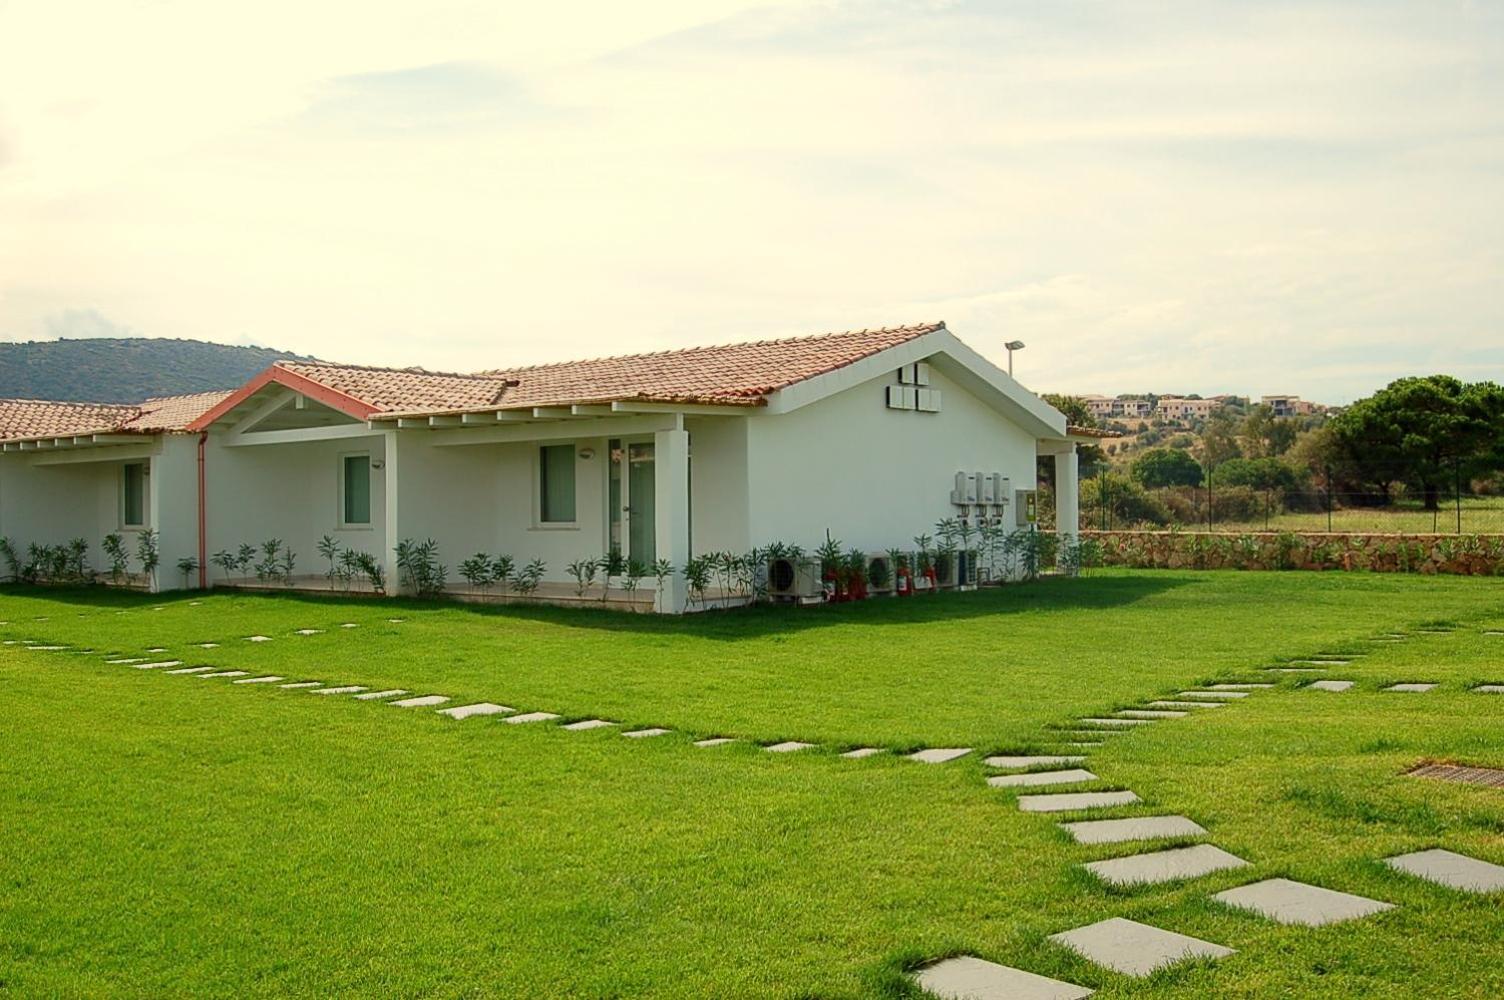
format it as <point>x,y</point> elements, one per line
<point>203,514</point>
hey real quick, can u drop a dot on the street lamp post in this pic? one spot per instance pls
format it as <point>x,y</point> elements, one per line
<point>1011,346</point>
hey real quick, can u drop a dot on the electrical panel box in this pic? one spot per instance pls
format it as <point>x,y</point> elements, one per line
<point>902,397</point>
<point>1027,511</point>
<point>964,493</point>
<point>1002,489</point>
<point>917,373</point>
<point>986,489</point>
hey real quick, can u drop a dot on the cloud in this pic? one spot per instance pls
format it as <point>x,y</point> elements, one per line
<point>83,324</point>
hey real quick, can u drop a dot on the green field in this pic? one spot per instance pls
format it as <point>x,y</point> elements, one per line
<point>172,836</point>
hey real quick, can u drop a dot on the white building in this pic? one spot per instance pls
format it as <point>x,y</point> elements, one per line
<point>873,435</point>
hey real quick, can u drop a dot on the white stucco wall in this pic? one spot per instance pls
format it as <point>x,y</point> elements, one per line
<point>718,484</point>
<point>290,492</point>
<point>874,477</point>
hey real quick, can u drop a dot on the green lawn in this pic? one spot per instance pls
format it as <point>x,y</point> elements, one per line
<point>167,835</point>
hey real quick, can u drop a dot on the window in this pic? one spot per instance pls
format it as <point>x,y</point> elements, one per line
<point>355,487</point>
<point>133,501</point>
<point>556,484</point>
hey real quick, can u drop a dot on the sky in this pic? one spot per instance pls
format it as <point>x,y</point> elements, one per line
<point>1250,196</point>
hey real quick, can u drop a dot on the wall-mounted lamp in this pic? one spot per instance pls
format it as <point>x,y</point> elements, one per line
<point>377,463</point>
<point>586,454</point>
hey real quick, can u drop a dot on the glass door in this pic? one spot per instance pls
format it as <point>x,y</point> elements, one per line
<point>632,501</point>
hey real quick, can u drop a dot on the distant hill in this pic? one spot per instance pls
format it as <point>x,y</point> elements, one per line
<point>126,369</point>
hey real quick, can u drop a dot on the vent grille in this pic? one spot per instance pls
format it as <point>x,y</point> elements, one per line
<point>1486,777</point>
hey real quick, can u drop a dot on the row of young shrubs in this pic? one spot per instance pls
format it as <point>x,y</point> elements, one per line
<point>67,563</point>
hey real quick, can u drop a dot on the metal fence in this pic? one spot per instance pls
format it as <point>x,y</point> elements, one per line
<point>1107,506</point>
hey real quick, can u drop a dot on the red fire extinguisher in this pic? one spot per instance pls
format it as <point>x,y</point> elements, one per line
<point>905,583</point>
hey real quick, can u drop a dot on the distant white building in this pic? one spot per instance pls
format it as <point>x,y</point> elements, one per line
<point>1290,406</point>
<point>1179,408</point>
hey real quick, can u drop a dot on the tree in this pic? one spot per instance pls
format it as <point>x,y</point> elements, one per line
<point>1264,435</point>
<point>1425,431</point>
<point>1160,467</point>
<point>1219,438</point>
<point>1089,457</point>
<point>1256,473</point>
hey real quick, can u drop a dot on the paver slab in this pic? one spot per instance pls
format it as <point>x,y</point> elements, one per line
<point>258,638</point>
<point>208,645</point>
<point>714,741</point>
<point>159,663</point>
<point>190,670</point>
<point>46,649</point>
<point>127,659</point>
<point>1297,670</point>
<point>1186,704</point>
<point>346,689</point>
<point>1119,723</point>
<point>584,724</point>
<point>1072,801</point>
<point>1118,831</point>
<point>425,701</point>
<point>350,625</point>
<point>298,685</point>
<point>1135,949</point>
<point>638,734</point>
<point>1219,693</point>
<point>1165,866</point>
<point>309,631</point>
<point>1448,868</point>
<point>378,695</point>
<point>224,673</point>
<point>861,752</point>
<point>939,755</point>
<point>268,679</point>
<point>1151,713</point>
<point>1416,688</point>
<point>1330,685</point>
<point>1238,687</point>
<point>1032,760</point>
<point>1322,662</point>
<point>157,649</point>
<point>1286,901</point>
<point>1489,689</point>
<point>787,746</point>
<point>479,708</point>
<point>1035,779</point>
<point>527,717</point>
<point>969,978</point>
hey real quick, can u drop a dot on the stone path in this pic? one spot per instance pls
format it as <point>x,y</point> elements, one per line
<point>1455,871</point>
<point>1032,779</point>
<point>1329,685</point>
<point>1288,902</point>
<point>1135,949</point>
<point>1165,866</point>
<point>969,978</point>
<point>1117,831</point>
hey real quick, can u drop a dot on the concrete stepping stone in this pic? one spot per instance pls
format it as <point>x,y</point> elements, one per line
<point>395,621</point>
<point>1296,670</point>
<point>1034,779</point>
<point>788,746</point>
<point>296,685</point>
<point>714,741</point>
<point>1286,901</point>
<point>190,670</point>
<point>1418,688</point>
<point>309,631</point>
<point>377,695</point>
<point>1072,801</point>
<point>1165,866</point>
<point>1219,694</point>
<point>347,689</point>
<point>1239,687</point>
<point>208,645</point>
<point>350,625</point>
<point>1453,870</point>
<point>587,724</point>
<point>939,755</point>
<point>157,649</point>
<point>1330,685</point>
<point>46,649</point>
<point>640,734</point>
<point>1150,713</point>
<point>527,717</point>
<point>127,659</point>
<point>1321,662</point>
<point>969,978</point>
<point>861,752</point>
<point>1489,689</point>
<point>1490,631</point>
<point>1095,734</point>
<point>268,679</point>
<point>258,638</point>
<point>159,663</point>
<point>1135,949</point>
<point>1085,746</point>
<point>1185,704</point>
<point>1120,723</point>
<point>1032,760</point>
<point>479,708</point>
<point>427,700</point>
<point>224,673</point>
<point>1118,831</point>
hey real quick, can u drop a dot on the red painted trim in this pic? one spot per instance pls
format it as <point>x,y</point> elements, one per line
<point>343,402</point>
<point>203,517</point>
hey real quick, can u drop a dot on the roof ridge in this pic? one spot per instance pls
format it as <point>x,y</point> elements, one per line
<point>917,329</point>
<point>68,402</point>
<point>477,376</point>
<point>182,395</point>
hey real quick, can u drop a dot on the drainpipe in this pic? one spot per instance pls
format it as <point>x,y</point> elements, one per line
<point>203,514</point>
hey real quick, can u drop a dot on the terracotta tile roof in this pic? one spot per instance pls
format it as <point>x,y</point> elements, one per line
<point>732,374</point>
<point>21,419</point>
<point>393,390</point>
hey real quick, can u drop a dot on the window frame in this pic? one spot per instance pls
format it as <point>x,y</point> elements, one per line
<point>125,523</point>
<point>340,500</point>
<point>540,485</point>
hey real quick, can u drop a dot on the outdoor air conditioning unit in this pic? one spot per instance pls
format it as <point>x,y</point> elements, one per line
<point>795,580</point>
<point>883,564</point>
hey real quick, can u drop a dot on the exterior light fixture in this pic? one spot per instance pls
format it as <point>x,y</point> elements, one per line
<point>1010,347</point>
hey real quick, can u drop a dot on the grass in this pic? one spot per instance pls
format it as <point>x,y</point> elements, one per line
<point>172,836</point>
<point>1479,515</point>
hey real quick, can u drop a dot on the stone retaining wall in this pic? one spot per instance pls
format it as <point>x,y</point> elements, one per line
<point>1468,555</point>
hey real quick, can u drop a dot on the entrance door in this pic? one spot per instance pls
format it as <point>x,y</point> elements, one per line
<point>633,500</point>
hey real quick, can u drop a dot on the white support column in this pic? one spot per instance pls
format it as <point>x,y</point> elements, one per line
<point>1067,496</point>
<point>671,486</point>
<point>388,554</point>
